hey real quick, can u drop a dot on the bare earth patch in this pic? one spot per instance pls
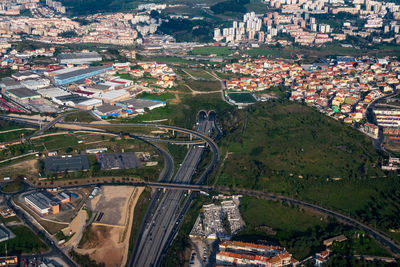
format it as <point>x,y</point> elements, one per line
<point>109,244</point>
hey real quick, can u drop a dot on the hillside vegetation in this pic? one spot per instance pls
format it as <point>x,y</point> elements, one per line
<point>291,149</point>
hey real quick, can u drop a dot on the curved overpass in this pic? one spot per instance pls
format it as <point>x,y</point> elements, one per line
<point>208,140</point>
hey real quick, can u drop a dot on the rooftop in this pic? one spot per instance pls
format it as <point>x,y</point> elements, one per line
<point>22,92</point>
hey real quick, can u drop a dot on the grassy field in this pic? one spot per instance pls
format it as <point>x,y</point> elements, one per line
<point>198,73</point>
<point>219,51</point>
<point>300,231</point>
<point>328,50</point>
<point>184,113</point>
<point>296,141</point>
<point>204,86</point>
<point>290,149</point>
<point>14,135</point>
<point>24,242</point>
<point>161,97</point>
<point>81,116</point>
<point>242,97</point>
<point>12,187</point>
<point>125,76</point>
<point>57,141</point>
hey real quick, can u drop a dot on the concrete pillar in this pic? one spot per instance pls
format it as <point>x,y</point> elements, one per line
<point>191,137</point>
<point>164,189</point>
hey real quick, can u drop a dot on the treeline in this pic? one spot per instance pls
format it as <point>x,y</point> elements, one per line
<point>185,30</point>
<point>79,7</point>
<point>230,6</point>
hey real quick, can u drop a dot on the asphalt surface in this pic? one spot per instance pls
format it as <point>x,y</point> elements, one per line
<point>164,221</point>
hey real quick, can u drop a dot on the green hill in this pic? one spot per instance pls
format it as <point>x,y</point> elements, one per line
<point>291,149</point>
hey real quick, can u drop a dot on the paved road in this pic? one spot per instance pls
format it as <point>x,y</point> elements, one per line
<point>165,219</point>
<point>55,251</point>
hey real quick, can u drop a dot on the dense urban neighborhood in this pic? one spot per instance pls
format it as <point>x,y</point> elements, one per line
<point>187,133</point>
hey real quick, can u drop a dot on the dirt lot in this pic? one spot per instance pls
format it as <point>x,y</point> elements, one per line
<point>76,226</point>
<point>28,168</point>
<point>109,244</point>
<point>112,201</point>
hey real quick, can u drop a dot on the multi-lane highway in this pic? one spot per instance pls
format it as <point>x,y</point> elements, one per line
<point>167,214</point>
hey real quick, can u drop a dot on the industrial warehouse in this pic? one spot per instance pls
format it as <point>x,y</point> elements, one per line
<point>78,58</point>
<point>67,163</point>
<point>5,233</point>
<point>43,203</point>
<point>80,74</point>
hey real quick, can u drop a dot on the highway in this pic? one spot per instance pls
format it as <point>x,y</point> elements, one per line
<point>163,222</point>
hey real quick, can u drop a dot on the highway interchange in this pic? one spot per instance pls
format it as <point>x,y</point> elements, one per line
<point>165,218</point>
<point>167,210</point>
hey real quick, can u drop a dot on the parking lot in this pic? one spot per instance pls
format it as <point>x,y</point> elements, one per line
<point>114,161</point>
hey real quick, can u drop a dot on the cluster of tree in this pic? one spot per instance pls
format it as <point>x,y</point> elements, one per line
<point>236,6</point>
<point>187,30</point>
<point>79,7</point>
<point>340,260</point>
<point>68,34</point>
<point>382,210</point>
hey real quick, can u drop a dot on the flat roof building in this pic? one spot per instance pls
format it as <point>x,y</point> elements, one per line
<point>42,203</point>
<point>78,58</point>
<point>89,104</point>
<point>139,105</point>
<point>22,93</point>
<point>70,100</point>
<point>107,110</point>
<point>5,234</point>
<point>51,92</point>
<point>66,163</point>
<point>24,75</point>
<point>80,74</point>
<point>113,96</point>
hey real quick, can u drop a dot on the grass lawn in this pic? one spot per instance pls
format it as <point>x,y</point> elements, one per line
<point>184,113</point>
<point>57,141</point>
<point>24,242</point>
<point>200,74</point>
<point>169,59</point>
<point>14,135</point>
<point>291,149</point>
<point>288,139</point>
<point>9,219</point>
<point>274,52</point>
<point>161,97</point>
<point>204,86</point>
<point>300,231</point>
<point>81,116</point>
<point>242,97</point>
<point>6,125</point>
<point>125,76</point>
<point>360,245</point>
<point>12,187</point>
<point>219,51</point>
<point>258,212</point>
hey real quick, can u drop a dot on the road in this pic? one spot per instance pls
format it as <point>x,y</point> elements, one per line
<point>55,250</point>
<point>164,221</point>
